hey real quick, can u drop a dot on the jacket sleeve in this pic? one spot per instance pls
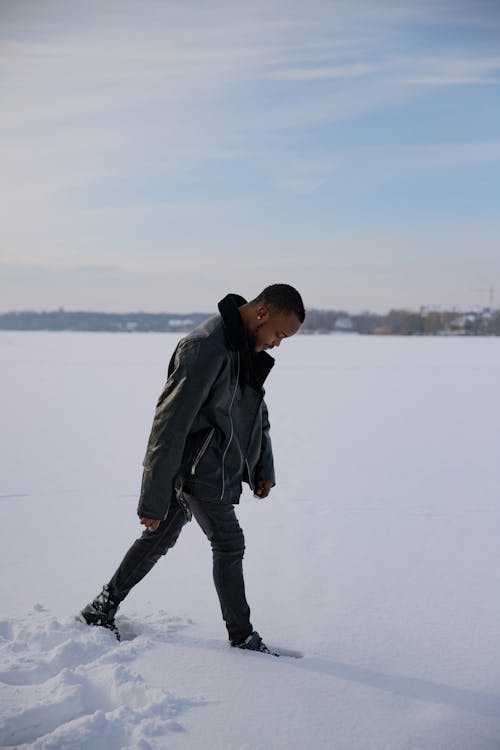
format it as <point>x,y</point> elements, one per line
<point>265,466</point>
<point>195,368</point>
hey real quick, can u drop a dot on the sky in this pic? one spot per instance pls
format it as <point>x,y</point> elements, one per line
<point>159,154</point>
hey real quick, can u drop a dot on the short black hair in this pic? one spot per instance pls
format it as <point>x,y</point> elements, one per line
<point>282,298</point>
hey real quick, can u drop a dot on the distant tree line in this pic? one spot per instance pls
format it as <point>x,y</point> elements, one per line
<point>62,320</point>
<point>427,322</point>
<point>406,322</point>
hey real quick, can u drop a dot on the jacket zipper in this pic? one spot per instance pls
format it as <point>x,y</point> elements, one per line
<point>249,477</point>
<point>202,450</point>
<point>231,423</point>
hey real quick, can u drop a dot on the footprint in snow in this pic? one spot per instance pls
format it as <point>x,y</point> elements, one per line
<point>63,684</point>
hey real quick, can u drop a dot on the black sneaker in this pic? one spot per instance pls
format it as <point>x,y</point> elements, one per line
<point>254,643</point>
<point>102,612</point>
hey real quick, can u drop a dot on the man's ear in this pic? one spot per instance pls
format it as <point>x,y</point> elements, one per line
<point>262,313</point>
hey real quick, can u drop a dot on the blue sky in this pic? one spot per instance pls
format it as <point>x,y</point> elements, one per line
<point>158,154</point>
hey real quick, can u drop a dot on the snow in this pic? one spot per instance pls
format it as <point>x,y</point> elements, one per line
<point>376,555</point>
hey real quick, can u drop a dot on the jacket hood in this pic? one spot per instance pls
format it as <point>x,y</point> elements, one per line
<point>258,365</point>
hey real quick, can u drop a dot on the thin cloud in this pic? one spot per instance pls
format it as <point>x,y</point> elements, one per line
<point>433,156</point>
<point>328,73</point>
<point>301,186</point>
<point>450,71</point>
<point>448,80</point>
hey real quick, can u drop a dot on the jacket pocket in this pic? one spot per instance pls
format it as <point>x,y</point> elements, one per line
<point>202,451</point>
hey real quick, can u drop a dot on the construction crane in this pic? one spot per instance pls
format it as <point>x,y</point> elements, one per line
<point>490,291</point>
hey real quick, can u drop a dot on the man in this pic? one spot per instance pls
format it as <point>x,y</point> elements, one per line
<point>210,433</point>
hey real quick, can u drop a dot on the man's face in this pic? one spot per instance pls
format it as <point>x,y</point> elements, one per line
<point>269,328</point>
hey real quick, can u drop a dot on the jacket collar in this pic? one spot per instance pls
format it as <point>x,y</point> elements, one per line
<point>258,365</point>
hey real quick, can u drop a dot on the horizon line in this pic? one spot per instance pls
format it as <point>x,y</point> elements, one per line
<point>438,308</point>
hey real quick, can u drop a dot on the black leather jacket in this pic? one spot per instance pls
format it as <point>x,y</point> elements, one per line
<point>211,429</point>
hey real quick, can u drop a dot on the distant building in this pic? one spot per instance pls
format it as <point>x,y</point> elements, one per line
<point>180,323</point>
<point>344,323</point>
<point>456,320</point>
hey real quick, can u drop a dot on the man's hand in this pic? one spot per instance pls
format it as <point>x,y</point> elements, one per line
<point>263,488</point>
<point>150,523</point>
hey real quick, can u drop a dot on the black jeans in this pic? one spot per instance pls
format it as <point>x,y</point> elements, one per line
<point>221,527</point>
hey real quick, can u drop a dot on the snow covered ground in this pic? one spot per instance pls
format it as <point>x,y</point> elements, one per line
<point>377,554</point>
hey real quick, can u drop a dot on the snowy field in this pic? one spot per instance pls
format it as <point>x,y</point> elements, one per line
<point>377,554</point>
